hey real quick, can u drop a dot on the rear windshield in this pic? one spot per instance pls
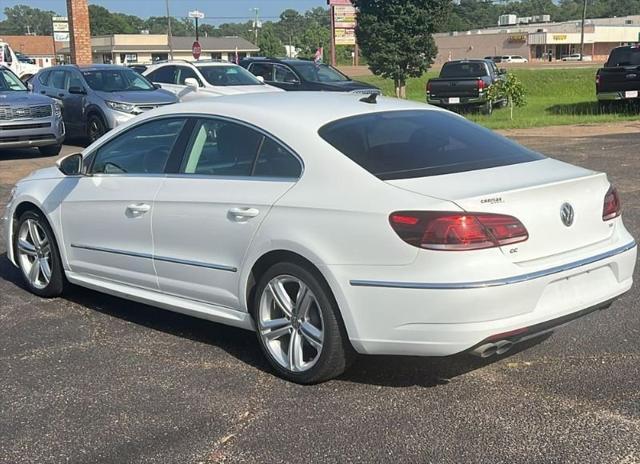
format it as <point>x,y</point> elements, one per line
<point>421,143</point>
<point>624,57</point>
<point>463,70</point>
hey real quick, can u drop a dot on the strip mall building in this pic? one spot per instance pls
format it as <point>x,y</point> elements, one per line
<point>535,41</point>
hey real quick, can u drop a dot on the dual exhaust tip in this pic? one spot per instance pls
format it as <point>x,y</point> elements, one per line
<point>493,349</point>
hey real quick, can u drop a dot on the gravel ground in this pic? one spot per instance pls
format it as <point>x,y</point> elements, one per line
<point>92,378</point>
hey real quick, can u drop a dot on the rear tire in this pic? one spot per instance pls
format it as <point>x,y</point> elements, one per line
<point>36,252</point>
<point>487,108</point>
<point>298,325</point>
<point>50,150</point>
<point>96,128</point>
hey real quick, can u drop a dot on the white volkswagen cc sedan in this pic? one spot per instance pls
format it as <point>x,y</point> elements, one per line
<point>331,224</point>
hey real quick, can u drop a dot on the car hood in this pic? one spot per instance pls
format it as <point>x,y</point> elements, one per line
<point>345,86</point>
<point>239,89</point>
<point>147,97</point>
<point>23,98</point>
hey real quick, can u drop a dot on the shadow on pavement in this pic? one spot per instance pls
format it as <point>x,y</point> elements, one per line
<point>388,371</point>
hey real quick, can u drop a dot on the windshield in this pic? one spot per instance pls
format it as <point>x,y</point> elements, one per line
<point>463,70</point>
<point>228,75</point>
<point>10,82</point>
<point>624,57</point>
<point>415,143</point>
<point>315,72</point>
<point>116,80</point>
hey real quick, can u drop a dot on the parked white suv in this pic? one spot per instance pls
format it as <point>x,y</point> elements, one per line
<point>193,80</point>
<point>514,59</point>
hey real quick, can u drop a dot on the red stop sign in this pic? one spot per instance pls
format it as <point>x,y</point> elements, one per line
<point>196,50</point>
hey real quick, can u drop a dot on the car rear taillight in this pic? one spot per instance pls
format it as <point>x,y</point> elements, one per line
<point>480,85</point>
<point>429,87</point>
<point>456,231</point>
<point>612,206</point>
<point>597,79</point>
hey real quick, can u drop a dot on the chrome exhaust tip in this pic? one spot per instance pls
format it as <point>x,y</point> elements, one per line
<point>492,349</point>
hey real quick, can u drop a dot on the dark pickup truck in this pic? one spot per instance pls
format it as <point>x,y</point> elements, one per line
<point>465,83</point>
<point>620,78</point>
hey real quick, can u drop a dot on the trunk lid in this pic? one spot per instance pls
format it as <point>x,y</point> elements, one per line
<point>454,87</point>
<point>622,78</point>
<point>534,193</point>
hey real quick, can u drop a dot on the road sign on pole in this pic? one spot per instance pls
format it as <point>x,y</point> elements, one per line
<point>196,50</point>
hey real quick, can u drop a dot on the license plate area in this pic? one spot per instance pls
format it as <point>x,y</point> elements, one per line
<point>631,94</point>
<point>456,100</point>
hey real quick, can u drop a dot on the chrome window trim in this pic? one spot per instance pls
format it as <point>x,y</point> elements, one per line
<point>498,282</point>
<point>186,262</point>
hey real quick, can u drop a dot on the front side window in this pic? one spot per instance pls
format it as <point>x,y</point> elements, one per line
<point>185,73</point>
<point>264,70</point>
<point>316,72</point>
<point>10,82</point>
<point>57,80</point>
<point>221,75</point>
<point>284,75</point>
<point>116,80</point>
<point>164,75</point>
<point>421,143</point>
<point>144,149</point>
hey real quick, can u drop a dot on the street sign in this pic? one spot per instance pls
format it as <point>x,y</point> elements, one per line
<point>196,14</point>
<point>196,50</point>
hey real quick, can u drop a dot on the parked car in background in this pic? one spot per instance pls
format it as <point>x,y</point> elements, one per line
<point>495,59</point>
<point>576,57</point>
<point>438,236</point>
<point>619,79</point>
<point>28,120</point>
<point>513,59</point>
<point>465,83</point>
<point>98,98</point>
<point>24,58</point>
<point>205,78</point>
<point>9,59</point>
<point>295,74</point>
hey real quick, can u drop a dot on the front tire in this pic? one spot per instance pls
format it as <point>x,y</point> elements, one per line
<point>37,255</point>
<point>298,325</point>
<point>50,150</point>
<point>95,128</point>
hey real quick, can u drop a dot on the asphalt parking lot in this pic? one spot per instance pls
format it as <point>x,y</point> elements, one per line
<point>92,378</point>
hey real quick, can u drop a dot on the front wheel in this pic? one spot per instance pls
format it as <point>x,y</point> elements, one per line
<point>95,128</point>
<point>37,255</point>
<point>298,325</point>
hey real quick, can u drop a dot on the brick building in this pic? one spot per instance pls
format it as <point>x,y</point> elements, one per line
<point>38,47</point>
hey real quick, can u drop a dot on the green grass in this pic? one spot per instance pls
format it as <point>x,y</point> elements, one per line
<point>554,97</point>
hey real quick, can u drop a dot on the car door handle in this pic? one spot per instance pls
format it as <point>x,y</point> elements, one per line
<point>244,213</point>
<point>139,208</point>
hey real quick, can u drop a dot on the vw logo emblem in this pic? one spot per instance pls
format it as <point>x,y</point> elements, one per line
<point>567,214</point>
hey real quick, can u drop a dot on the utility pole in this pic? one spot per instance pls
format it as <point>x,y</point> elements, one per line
<point>256,23</point>
<point>169,36</point>
<point>584,19</point>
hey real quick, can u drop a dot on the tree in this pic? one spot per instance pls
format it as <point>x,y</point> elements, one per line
<point>395,36</point>
<point>510,87</point>
<point>269,43</point>
<point>22,19</point>
<point>104,22</point>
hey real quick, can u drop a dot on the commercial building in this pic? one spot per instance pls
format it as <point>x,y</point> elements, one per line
<point>148,48</point>
<point>38,47</point>
<point>536,41</point>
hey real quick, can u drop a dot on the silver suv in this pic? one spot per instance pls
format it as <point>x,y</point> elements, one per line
<point>98,98</point>
<point>28,120</point>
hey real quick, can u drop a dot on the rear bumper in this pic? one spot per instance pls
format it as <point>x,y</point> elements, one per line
<point>444,102</point>
<point>614,96</point>
<point>422,319</point>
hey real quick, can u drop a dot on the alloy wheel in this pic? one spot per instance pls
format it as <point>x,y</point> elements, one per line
<point>34,254</point>
<point>290,323</point>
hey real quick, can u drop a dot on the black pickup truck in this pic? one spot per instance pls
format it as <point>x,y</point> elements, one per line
<point>465,83</point>
<point>619,80</point>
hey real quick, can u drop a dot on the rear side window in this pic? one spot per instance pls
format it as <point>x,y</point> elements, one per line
<point>421,143</point>
<point>57,79</point>
<point>463,70</point>
<point>43,77</point>
<point>164,75</point>
<point>624,57</point>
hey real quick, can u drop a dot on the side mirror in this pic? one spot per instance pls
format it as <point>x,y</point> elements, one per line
<point>76,90</point>
<point>156,85</point>
<point>70,165</point>
<point>192,83</point>
<point>260,78</point>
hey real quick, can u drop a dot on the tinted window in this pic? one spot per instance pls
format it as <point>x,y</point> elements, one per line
<point>186,73</point>
<point>43,77</point>
<point>75,80</point>
<point>276,161</point>
<point>284,74</point>
<point>264,70</point>
<point>144,149</point>
<point>228,75</point>
<point>116,80</point>
<point>624,57</point>
<point>463,70</point>
<point>164,75</point>
<point>408,144</point>
<point>221,148</point>
<point>316,72</point>
<point>57,79</point>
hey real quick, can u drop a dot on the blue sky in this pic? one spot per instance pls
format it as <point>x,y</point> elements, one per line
<point>225,10</point>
